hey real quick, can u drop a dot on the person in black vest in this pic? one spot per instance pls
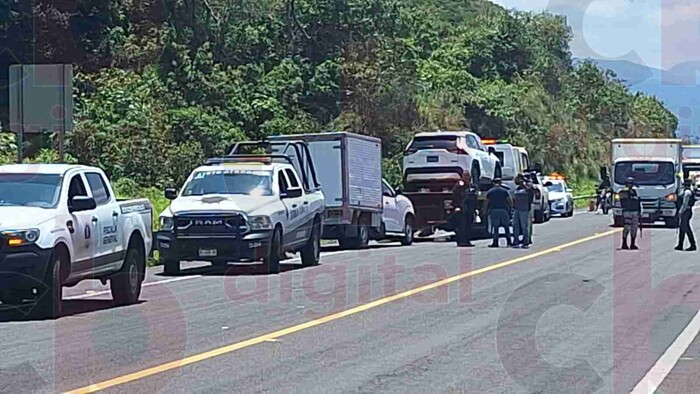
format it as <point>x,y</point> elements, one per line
<point>631,211</point>
<point>464,198</point>
<point>687,199</point>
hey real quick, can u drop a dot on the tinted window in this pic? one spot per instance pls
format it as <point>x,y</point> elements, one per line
<point>76,188</point>
<point>433,142</point>
<point>386,190</point>
<point>100,192</point>
<point>30,190</point>
<point>501,157</point>
<point>472,142</point>
<point>282,182</point>
<point>556,187</point>
<point>645,173</point>
<point>293,181</point>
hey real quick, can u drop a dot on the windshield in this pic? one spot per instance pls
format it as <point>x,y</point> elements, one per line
<point>30,190</point>
<point>433,142</point>
<point>556,188</point>
<point>252,183</point>
<point>645,172</point>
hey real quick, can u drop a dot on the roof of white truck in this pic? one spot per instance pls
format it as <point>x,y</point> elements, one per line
<point>247,166</point>
<point>48,169</point>
<point>444,133</point>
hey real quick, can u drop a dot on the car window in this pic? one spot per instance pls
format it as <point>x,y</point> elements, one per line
<point>293,181</point>
<point>525,161</point>
<point>387,190</point>
<point>282,182</point>
<point>99,189</point>
<point>472,142</point>
<point>76,188</point>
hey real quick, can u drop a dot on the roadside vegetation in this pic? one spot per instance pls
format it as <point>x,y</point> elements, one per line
<point>163,84</point>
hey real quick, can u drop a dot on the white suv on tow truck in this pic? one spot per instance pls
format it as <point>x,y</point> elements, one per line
<point>245,207</point>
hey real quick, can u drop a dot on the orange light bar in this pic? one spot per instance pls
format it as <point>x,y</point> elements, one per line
<point>557,176</point>
<point>489,141</point>
<point>15,242</point>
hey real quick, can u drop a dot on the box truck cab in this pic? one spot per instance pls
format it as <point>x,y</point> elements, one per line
<point>656,166</point>
<point>691,165</point>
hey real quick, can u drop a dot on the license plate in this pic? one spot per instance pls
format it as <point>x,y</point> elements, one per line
<point>207,252</point>
<point>433,159</point>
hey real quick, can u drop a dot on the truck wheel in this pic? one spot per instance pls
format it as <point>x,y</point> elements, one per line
<point>407,238</point>
<point>50,304</point>
<point>171,267</point>
<point>126,285</point>
<point>618,221</point>
<point>359,241</point>
<point>539,216</point>
<point>311,254</point>
<point>272,261</point>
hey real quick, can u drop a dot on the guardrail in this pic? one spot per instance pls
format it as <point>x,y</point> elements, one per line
<point>576,198</point>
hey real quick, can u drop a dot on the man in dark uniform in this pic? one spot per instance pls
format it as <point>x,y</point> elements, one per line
<point>464,198</point>
<point>631,211</point>
<point>687,200</point>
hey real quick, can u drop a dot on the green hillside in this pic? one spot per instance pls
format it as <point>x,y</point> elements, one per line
<point>163,84</point>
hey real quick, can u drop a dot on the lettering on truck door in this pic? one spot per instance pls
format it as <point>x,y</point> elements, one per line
<point>109,250</point>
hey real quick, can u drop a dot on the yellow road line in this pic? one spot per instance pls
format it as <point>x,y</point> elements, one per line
<point>326,319</point>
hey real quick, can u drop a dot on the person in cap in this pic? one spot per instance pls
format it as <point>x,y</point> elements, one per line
<point>631,212</point>
<point>685,212</point>
<point>464,198</point>
<point>498,205</point>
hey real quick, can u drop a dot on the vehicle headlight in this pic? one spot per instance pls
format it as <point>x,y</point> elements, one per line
<point>671,197</point>
<point>259,223</point>
<point>21,237</point>
<point>616,196</point>
<point>167,223</point>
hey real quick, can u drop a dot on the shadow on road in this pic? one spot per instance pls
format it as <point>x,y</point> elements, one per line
<point>70,308</point>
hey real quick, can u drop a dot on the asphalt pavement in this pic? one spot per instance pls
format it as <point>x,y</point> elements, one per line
<point>572,314</point>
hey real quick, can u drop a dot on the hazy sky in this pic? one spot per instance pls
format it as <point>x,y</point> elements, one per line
<point>657,33</point>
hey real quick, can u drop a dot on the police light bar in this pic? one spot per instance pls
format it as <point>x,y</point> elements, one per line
<point>493,141</point>
<point>557,176</point>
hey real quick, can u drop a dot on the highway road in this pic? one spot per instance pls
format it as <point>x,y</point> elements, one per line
<point>572,314</point>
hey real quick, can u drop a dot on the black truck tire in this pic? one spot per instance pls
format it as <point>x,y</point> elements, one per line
<point>126,285</point>
<point>311,253</point>
<point>360,240</point>
<point>50,304</point>
<point>272,260</point>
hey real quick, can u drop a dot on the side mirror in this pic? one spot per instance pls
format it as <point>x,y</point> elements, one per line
<point>292,193</point>
<point>491,150</point>
<point>398,190</point>
<point>82,204</point>
<point>170,194</point>
<point>569,190</point>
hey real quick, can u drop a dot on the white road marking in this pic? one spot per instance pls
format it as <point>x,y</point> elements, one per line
<point>656,375</point>
<point>92,293</point>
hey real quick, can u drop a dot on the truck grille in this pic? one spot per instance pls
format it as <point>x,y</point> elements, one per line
<point>215,224</point>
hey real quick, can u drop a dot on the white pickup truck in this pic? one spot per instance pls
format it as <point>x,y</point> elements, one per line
<point>245,207</point>
<point>61,224</point>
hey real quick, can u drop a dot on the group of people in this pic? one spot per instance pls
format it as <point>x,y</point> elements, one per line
<point>632,210</point>
<point>500,206</point>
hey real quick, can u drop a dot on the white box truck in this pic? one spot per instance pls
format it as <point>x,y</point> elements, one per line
<point>349,168</point>
<point>656,166</point>
<point>691,165</point>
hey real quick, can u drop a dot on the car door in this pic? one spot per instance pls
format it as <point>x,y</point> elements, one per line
<point>83,234</point>
<point>292,205</point>
<point>391,212</point>
<point>105,219</point>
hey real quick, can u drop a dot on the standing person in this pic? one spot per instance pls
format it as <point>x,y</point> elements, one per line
<point>498,206</point>
<point>631,211</point>
<point>465,200</point>
<point>522,205</point>
<point>686,214</point>
<point>531,216</point>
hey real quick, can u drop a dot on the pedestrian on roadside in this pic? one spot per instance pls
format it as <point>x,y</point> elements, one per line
<point>498,205</point>
<point>531,217</point>
<point>686,214</point>
<point>631,212</point>
<point>522,205</point>
<point>464,199</point>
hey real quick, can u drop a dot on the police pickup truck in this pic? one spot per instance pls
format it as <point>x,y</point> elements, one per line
<point>61,224</point>
<point>245,207</point>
